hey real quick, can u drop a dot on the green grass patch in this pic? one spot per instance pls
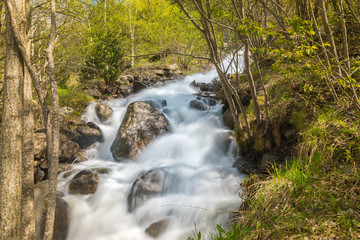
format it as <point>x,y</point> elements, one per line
<point>74,98</point>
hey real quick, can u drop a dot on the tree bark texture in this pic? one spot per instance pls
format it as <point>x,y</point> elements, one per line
<point>28,211</point>
<point>12,133</point>
<point>52,130</point>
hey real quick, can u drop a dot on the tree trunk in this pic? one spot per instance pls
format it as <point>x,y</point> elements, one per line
<point>52,131</point>
<point>28,211</point>
<point>12,133</point>
<point>251,81</point>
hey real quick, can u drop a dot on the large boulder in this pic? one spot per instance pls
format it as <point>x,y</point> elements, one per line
<point>103,111</point>
<point>85,182</point>
<point>140,126</point>
<point>149,185</point>
<point>89,134</point>
<point>62,211</point>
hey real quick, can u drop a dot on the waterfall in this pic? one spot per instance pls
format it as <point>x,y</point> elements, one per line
<point>201,186</point>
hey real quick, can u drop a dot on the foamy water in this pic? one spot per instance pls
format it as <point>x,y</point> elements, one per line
<point>201,187</point>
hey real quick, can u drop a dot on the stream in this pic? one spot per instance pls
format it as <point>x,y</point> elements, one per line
<point>201,186</point>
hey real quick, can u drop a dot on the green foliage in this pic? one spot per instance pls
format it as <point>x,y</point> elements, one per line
<point>104,58</point>
<point>74,98</point>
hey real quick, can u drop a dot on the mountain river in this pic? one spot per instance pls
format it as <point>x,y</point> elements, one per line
<point>201,187</point>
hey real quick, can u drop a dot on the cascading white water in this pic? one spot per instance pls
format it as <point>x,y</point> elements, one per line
<point>201,186</point>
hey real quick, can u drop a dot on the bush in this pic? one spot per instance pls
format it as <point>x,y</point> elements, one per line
<point>104,57</point>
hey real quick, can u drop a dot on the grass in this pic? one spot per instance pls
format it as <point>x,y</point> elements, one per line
<point>74,98</point>
<point>316,195</point>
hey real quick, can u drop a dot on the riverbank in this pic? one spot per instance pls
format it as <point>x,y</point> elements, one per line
<point>313,191</point>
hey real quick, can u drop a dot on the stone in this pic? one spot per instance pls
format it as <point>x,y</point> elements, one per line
<point>40,145</point>
<point>93,92</point>
<point>68,149</point>
<point>159,72</point>
<point>149,185</point>
<point>140,126</point>
<point>69,132</point>
<point>156,104</point>
<point>85,182</point>
<point>126,90</point>
<point>62,212</point>
<point>39,174</point>
<point>172,67</point>
<point>209,101</point>
<point>228,119</point>
<point>199,105</point>
<point>101,170</point>
<point>80,156</point>
<point>103,111</point>
<point>65,111</point>
<point>89,134</point>
<point>138,86</point>
<point>214,86</point>
<point>125,79</point>
<point>157,228</point>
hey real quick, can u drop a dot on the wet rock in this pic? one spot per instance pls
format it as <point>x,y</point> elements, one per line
<point>85,182</point>
<point>126,90</point>
<point>157,228</point>
<point>156,104</point>
<point>68,149</point>
<point>103,111</point>
<point>62,213</point>
<point>101,170</point>
<point>209,101</point>
<point>40,145</point>
<point>79,157</point>
<point>214,86</point>
<point>149,185</point>
<point>228,119</point>
<point>139,85</point>
<point>199,105</point>
<point>89,134</point>
<point>140,126</point>
<point>62,167</point>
